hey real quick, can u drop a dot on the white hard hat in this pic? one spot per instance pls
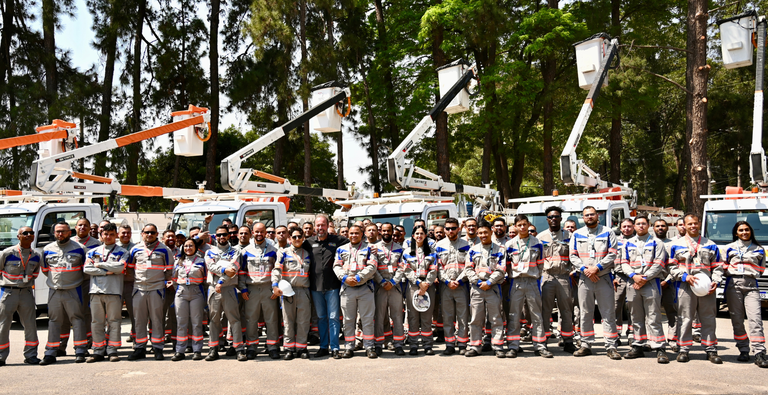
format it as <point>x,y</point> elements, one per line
<point>421,302</point>
<point>286,287</point>
<point>703,283</point>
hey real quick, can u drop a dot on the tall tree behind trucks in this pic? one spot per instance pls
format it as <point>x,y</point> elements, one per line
<point>211,174</point>
<point>304,92</point>
<point>133,150</point>
<point>697,74</point>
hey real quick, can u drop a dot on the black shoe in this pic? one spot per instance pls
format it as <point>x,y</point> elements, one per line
<point>168,339</point>
<point>761,361</point>
<point>544,353</point>
<point>471,353</point>
<point>683,357</point>
<point>647,348</point>
<point>371,353</point>
<point>500,354</point>
<point>188,350</point>
<point>31,361</point>
<point>582,352</point>
<point>47,360</point>
<point>288,356</point>
<point>250,354</point>
<point>743,357</point>
<point>661,357</point>
<point>613,354</point>
<point>304,354</point>
<point>213,354</point>
<point>348,354</point>
<point>79,358</point>
<point>440,338</point>
<point>159,355</point>
<point>94,358</point>
<point>511,353</point>
<point>139,353</point>
<point>634,352</point>
<point>462,351</point>
<point>399,351</point>
<point>449,350</point>
<point>414,351</point>
<point>429,351</point>
<point>322,352</point>
<point>714,358</point>
<point>336,354</point>
<point>231,352</point>
<point>487,347</point>
<point>197,356</point>
<point>358,346</point>
<point>378,350</point>
<point>61,353</point>
<point>618,342</point>
<point>274,354</point>
<point>241,357</point>
<point>569,348</point>
<point>675,348</point>
<point>114,358</point>
<point>179,356</point>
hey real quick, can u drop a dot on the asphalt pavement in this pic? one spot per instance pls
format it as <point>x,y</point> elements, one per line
<point>389,374</point>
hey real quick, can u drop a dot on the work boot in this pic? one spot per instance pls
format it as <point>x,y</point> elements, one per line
<point>512,353</point>
<point>179,356</point>
<point>569,348</point>
<point>47,360</point>
<point>198,356</point>
<point>304,354</point>
<point>159,355</point>
<point>674,347</point>
<point>544,353</point>
<point>114,358</point>
<point>213,354</point>
<point>94,358</point>
<point>139,353</point>
<point>462,350</point>
<point>231,352</point>
<point>348,354</point>
<point>32,361</point>
<point>371,353</point>
<point>79,358</point>
<point>761,361</point>
<point>336,354</point>
<point>582,352</point>
<point>634,352</point>
<point>487,347</point>
<point>288,356</point>
<point>322,352</point>
<point>399,351</point>
<point>274,354</point>
<point>613,354</point>
<point>251,354</point>
<point>414,352</point>
<point>500,354</point>
<point>683,357</point>
<point>241,356</point>
<point>714,358</point>
<point>61,353</point>
<point>661,356</point>
<point>449,350</point>
<point>378,350</point>
<point>471,353</point>
<point>743,357</point>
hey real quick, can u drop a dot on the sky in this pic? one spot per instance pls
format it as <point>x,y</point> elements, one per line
<point>76,36</point>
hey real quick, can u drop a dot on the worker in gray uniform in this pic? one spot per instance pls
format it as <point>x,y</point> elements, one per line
<point>105,265</point>
<point>355,267</point>
<point>420,270</point>
<point>19,267</point>
<point>258,283</point>
<point>668,297</point>
<point>389,297</point>
<point>525,256</point>
<point>63,264</point>
<point>470,224</point>
<point>223,264</point>
<point>690,255</point>
<point>169,239</point>
<point>124,234</point>
<point>620,281</point>
<point>744,263</point>
<point>294,263</point>
<point>152,263</point>
<point>593,252</point>
<point>189,274</point>
<point>556,287</point>
<point>485,269</point>
<point>452,253</point>
<point>642,261</point>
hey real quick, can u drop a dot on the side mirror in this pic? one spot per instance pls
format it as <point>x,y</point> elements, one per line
<point>43,240</point>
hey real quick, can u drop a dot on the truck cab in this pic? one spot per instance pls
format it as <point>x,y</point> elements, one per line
<point>403,209</point>
<point>721,212</point>
<point>41,216</point>
<point>610,209</point>
<point>245,211</point>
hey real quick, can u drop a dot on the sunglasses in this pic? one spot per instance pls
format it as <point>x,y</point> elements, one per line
<point>553,216</point>
<point>451,228</point>
<point>150,233</point>
<point>28,233</point>
<point>270,232</point>
<point>297,237</point>
<point>222,234</point>
<point>233,233</point>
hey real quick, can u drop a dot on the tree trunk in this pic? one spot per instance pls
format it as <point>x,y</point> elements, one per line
<point>132,175</point>
<point>698,72</point>
<point>5,42</point>
<point>614,149</point>
<point>374,139</point>
<point>305,102</point>
<point>441,123</point>
<point>100,160</point>
<point>49,58</point>
<point>210,168</point>
<point>7,73</point>
<point>681,161</point>
<point>548,72</point>
<point>389,90</point>
<point>485,172</point>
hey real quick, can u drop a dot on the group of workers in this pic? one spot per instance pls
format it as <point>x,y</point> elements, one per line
<point>485,291</point>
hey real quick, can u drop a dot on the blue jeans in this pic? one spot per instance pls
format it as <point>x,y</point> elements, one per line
<point>327,307</point>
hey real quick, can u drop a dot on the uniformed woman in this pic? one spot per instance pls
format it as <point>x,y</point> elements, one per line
<point>189,274</point>
<point>421,271</point>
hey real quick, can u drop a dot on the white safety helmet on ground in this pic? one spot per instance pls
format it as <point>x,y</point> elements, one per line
<point>286,287</point>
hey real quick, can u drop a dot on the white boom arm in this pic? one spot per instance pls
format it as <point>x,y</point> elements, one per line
<point>758,170</point>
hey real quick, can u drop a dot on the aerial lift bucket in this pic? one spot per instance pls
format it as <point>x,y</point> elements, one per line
<point>589,54</point>
<point>447,76</point>
<point>736,40</point>
<point>328,121</point>
<point>189,141</point>
<point>57,146</point>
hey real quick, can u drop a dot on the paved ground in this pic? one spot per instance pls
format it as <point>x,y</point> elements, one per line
<point>389,374</point>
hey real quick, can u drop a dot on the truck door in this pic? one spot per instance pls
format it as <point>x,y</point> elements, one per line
<point>617,214</point>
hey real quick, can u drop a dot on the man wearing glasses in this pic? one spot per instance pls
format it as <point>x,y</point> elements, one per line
<point>452,256</point>
<point>19,267</point>
<point>593,252</point>
<point>471,237</point>
<point>555,279</point>
<point>271,233</point>
<point>152,264</point>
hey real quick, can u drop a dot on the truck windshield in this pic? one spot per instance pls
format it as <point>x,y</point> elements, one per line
<point>404,219</point>
<point>719,225</point>
<point>540,220</point>
<point>9,227</point>
<point>186,221</point>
